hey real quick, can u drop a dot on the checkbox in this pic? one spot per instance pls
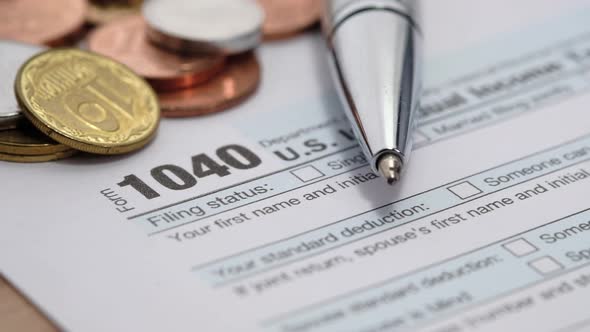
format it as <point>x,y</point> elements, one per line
<point>546,265</point>
<point>464,190</point>
<point>307,173</point>
<point>520,247</point>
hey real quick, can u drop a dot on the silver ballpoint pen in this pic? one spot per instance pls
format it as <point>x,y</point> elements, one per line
<point>375,51</point>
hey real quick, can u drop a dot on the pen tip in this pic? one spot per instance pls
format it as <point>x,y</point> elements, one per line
<point>390,168</point>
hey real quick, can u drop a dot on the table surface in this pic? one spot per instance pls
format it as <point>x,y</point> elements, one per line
<point>18,314</point>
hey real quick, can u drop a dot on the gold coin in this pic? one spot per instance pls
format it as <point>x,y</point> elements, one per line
<point>28,141</point>
<point>38,158</point>
<point>86,101</point>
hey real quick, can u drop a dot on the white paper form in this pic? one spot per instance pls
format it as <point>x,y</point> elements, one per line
<point>267,218</point>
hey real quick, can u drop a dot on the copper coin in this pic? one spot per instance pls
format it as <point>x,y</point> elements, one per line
<point>41,22</point>
<point>238,80</point>
<point>287,17</point>
<point>125,40</point>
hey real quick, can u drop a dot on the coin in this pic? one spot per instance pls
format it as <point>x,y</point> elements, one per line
<point>125,41</point>
<point>205,26</point>
<point>87,101</point>
<point>238,80</point>
<point>36,158</point>
<point>28,141</point>
<point>287,17</point>
<point>41,22</point>
<point>12,55</point>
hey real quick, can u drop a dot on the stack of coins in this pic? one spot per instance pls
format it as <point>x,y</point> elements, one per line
<point>65,100</point>
<point>197,57</point>
<point>19,141</point>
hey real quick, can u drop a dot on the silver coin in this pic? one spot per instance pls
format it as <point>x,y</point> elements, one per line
<point>204,26</point>
<point>12,56</point>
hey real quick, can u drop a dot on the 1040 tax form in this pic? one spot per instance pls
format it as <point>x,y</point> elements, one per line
<point>267,217</point>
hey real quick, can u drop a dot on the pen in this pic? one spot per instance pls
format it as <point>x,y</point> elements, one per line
<point>375,51</point>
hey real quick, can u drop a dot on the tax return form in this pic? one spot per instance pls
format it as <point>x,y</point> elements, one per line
<point>267,217</point>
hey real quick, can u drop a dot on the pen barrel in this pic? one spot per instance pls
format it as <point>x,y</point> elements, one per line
<point>375,51</point>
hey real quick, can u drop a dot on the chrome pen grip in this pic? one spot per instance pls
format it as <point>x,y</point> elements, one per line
<point>336,11</point>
